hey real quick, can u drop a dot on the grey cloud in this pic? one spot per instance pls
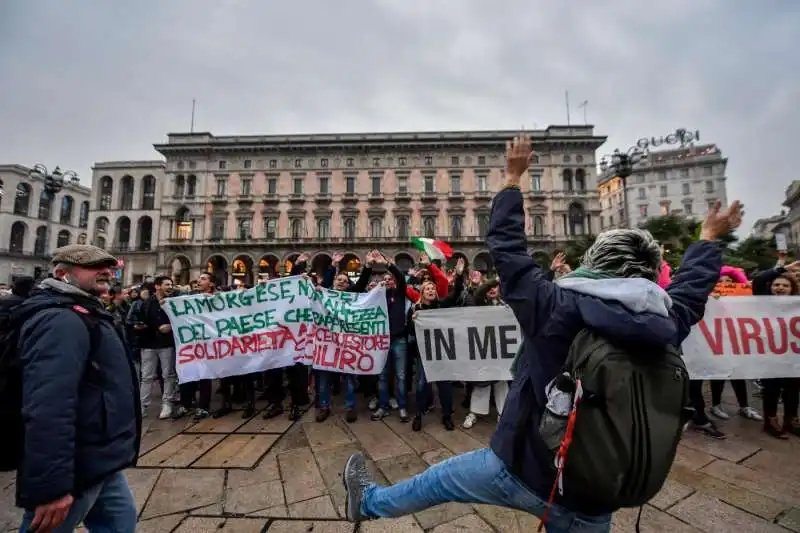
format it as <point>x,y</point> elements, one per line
<point>101,80</point>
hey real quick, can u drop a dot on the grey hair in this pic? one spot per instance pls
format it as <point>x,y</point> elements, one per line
<point>625,253</point>
<point>64,267</point>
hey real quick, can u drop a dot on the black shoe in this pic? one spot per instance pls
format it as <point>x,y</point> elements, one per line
<point>416,424</point>
<point>709,429</point>
<point>351,416</point>
<point>447,422</point>
<point>273,410</point>
<point>297,412</point>
<point>222,411</point>
<point>248,412</point>
<point>323,414</point>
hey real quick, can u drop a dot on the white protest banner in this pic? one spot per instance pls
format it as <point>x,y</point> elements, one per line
<point>743,337</point>
<point>275,324</point>
<point>467,343</point>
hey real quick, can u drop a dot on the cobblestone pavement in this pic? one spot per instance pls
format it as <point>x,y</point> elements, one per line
<point>255,475</point>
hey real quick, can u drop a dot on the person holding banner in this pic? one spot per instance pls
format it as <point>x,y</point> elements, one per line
<point>613,293</point>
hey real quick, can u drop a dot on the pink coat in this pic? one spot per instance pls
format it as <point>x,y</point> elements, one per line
<point>736,274</point>
<point>665,275</point>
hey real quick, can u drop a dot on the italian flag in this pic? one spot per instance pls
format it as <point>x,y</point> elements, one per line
<point>433,249</point>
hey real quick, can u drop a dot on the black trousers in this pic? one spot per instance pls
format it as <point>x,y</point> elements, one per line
<point>298,385</point>
<point>777,388</point>
<point>739,389</point>
<point>188,391</point>
<point>697,402</point>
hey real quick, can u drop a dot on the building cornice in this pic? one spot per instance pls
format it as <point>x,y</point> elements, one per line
<point>128,165</point>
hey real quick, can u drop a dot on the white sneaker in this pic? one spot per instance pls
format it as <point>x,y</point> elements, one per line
<point>373,404</point>
<point>719,412</point>
<point>750,414</point>
<point>470,421</point>
<point>393,403</point>
<point>166,412</point>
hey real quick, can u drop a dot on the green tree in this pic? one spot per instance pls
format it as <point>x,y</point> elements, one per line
<point>575,250</point>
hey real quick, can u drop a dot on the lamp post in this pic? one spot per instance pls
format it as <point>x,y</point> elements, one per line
<point>53,183</point>
<point>620,165</point>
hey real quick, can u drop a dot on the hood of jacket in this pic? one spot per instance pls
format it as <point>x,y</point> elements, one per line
<point>52,292</point>
<point>633,310</point>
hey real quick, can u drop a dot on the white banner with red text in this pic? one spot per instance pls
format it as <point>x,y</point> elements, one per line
<point>276,324</point>
<point>743,337</point>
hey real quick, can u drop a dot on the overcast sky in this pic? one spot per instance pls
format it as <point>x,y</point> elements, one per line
<point>97,80</point>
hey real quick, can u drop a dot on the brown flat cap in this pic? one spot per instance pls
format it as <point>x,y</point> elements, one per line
<point>83,255</point>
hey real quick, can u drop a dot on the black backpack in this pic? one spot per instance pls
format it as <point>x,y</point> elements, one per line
<point>11,374</point>
<point>627,408</point>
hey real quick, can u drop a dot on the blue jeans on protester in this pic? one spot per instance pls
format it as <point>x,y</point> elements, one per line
<point>108,507</point>
<point>475,477</point>
<point>398,352</point>
<point>424,389</point>
<point>324,389</point>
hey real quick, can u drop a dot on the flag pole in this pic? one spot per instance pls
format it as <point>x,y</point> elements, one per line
<point>566,97</point>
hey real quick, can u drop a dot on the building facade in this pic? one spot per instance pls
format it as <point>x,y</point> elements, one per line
<point>126,214</point>
<point>789,224</point>
<point>764,228</point>
<point>684,181</point>
<point>246,206</point>
<point>34,224</point>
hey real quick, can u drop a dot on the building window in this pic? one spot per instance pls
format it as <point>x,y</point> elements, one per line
<point>298,163</point>
<point>272,186</point>
<point>643,211</point>
<point>376,228</point>
<point>375,179</point>
<point>707,171</point>
<point>456,226</point>
<point>297,228</point>
<point>428,160</point>
<point>349,228</point>
<point>483,225</point>
<point>180,165</point>
<point>577,217</point>
<point>401,161</point>
<point>455,184</point>
<point>248,164</point>
<point>323,185</point>
<point>218,229</point>
<point>642,193</point>
<point>661,176</point>
<point>106,193</point>
<point>711,203</point>
<point>567,159</point>
<point>192,165</point>
<point>536,180</point>
<point>402,185</point>
<point>481,160</point>
<point>429,226</point>
<point>684,172</point>
<point>246,186</point>
<point>44,205</point>
<point>579,158</point>
<point>271,228</point>
<point>243,229</point>
<point>376,161</point>
<point>429,184</point>
<point>535,159</point>
<point>273,163</point>
<point>403,228</point>
<point>538,226</point>
<point>566,177</point>
<point>580,180</point>
<point>66,209</point>
<point>640,178</point>
<point>350,185</point>
<point>709,186</point>
<point>687,188</point>
<point>663,191</point>
<point>323,228</point>
<point>222,186</point>
<point>349,161</point>
<point>223,165</point>
<point>297,186</point>
<point>687,208</point>
<point>323,162</point>
<point>191,186</point>
<point>664,210</point>
<point>454,160</point>
<point>483,183</point>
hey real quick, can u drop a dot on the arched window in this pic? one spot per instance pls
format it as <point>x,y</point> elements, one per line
<point>403,228</point>
<point>106,193</point>
<point>83,216</point>
<point>40,246</point>
<point>538,226</point>
<point>180,186</point>
<point>376,227</point>
<point>22,199</point>
<point>580,180</point>
<point>123,234</point>
<point>323,228</point>
<point>16,244</point>
<point>577,217</point>
<point>148,193</point>
<point>144,234</point>
<point>191,186</point>
<point>100,232</point>
<point>45,201</point>
<point>349,228</point>
<point>63,238</point>
<point>183,224</point>
<point>429,227</point>
<point>567,177</point>
<point>126,193</point>
<point>66,210</point>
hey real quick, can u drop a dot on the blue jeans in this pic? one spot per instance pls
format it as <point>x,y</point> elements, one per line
<point>424,389</point>
<point>475,477</point>
<point>324,389</point>
<point>107,507</point>
<point>398,352</point>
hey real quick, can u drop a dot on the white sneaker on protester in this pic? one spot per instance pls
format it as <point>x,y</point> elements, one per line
<point>373,404</point>
<point>393,403</point>
<point>719,412</point>
<point>470,421</point>
<point>166,412</point>
<point>750,414</point>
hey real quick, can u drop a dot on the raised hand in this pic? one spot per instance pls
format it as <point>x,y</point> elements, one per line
<point>519,153</point>
<point>558,262</point>
<point>338,258</point>
<point>460,264</point>
<point>719,223</point>
<point>303,258</point>
<point>424,259</point>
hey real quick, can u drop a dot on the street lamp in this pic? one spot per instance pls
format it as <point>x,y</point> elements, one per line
<point>620,165</point>
<point>53,183</point>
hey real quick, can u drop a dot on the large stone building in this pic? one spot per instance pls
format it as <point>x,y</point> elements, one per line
<point>34,224</point>
<point>789,222</point>
<point>246,206</point>
<point>683,181</point>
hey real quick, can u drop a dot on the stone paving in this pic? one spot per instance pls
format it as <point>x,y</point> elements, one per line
<point>253,475</point>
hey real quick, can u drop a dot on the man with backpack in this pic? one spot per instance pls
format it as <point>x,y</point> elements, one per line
<point>70,399</point>
<point>600,377</point>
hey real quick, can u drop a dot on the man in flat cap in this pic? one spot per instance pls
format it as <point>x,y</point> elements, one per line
<point>80,401</point>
